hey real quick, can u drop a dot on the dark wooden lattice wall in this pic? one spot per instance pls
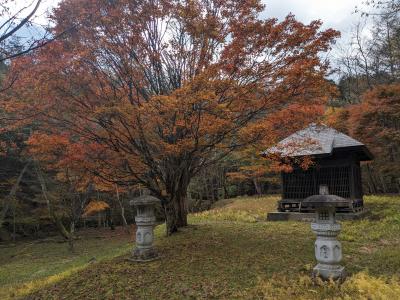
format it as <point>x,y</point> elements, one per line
<point>301,184</point>
<point>341,172</point>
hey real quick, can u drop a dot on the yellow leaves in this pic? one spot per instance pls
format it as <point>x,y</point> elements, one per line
<point>364,286</point>
<point>337,117</point>
<point>226,215</point>
<point>95,206</point>
<point>359,286</point>
<point>243,209</point>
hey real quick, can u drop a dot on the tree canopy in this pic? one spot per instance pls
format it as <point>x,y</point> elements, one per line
<point>155,91</point>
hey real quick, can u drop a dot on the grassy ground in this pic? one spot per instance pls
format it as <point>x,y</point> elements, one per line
<point>29,266</point>
<point>231,253</point>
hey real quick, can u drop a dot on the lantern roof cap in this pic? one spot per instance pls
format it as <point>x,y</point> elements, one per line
<point>328,201</point>
<point>144,200</point>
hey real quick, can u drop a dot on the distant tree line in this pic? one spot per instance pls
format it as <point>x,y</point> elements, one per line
<point>368,105</point>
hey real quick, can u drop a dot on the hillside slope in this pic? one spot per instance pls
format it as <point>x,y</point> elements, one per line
<point>229,252</point>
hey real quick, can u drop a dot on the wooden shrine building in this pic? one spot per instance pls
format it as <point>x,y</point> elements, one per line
<point>336,163</point>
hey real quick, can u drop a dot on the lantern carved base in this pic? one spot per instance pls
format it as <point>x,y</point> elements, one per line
<point>328,250</point>
<point>329,272</point>
<point>144,255</point>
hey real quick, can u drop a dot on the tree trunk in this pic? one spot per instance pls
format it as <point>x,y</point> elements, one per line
<point>11,195</point>
<point>383,183</point>
<point>171,217</point>
<point>371,179</point>
<point>175,202</point>
<point>14,227</point>
<point>71,247</point>
<point>398,185</point>
<point>176,211</point>
<point>257,186</point>
<point>109,218</point>
<point>182,211</point>
<point>68,236</point>
<point>122,208</point>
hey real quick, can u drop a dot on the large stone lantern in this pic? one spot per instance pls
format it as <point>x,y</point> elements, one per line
<point>145,222</point>
<point>328,250</point>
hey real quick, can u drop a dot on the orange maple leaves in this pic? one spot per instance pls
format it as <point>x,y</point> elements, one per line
<point>165,88</point>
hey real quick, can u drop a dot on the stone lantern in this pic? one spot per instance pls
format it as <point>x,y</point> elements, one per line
<point>328,250</point>
<point>145,222</point>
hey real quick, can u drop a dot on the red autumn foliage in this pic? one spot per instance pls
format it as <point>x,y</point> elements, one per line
<point>152,92</point>
<point>376,122</point>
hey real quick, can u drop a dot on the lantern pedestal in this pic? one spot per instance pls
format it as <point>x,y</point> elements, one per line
<point>328,250</point>
<point>328,271</point>
<point>145,222</point>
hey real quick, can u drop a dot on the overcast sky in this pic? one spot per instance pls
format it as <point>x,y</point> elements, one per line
<point>334,13</point>
<point>338,14</point>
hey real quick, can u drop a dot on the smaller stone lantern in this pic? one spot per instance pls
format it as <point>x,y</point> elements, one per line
<point>328,250</point>
<point>145,222</point>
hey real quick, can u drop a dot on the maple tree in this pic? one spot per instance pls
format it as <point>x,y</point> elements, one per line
<point>166,88</point>
<point>369,74</point>
<point>68,163</point>
<point>66,183</point>
<point>376,121</point>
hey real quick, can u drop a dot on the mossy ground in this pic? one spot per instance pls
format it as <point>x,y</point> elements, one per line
<point>231,253</point>
<point>29,266</point>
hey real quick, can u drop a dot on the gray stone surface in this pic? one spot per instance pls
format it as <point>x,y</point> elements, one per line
<point>310,217</point>
<point>328,250</point>
<point>145,200</point>
<point>329,271</point>
<point>145,222</point>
